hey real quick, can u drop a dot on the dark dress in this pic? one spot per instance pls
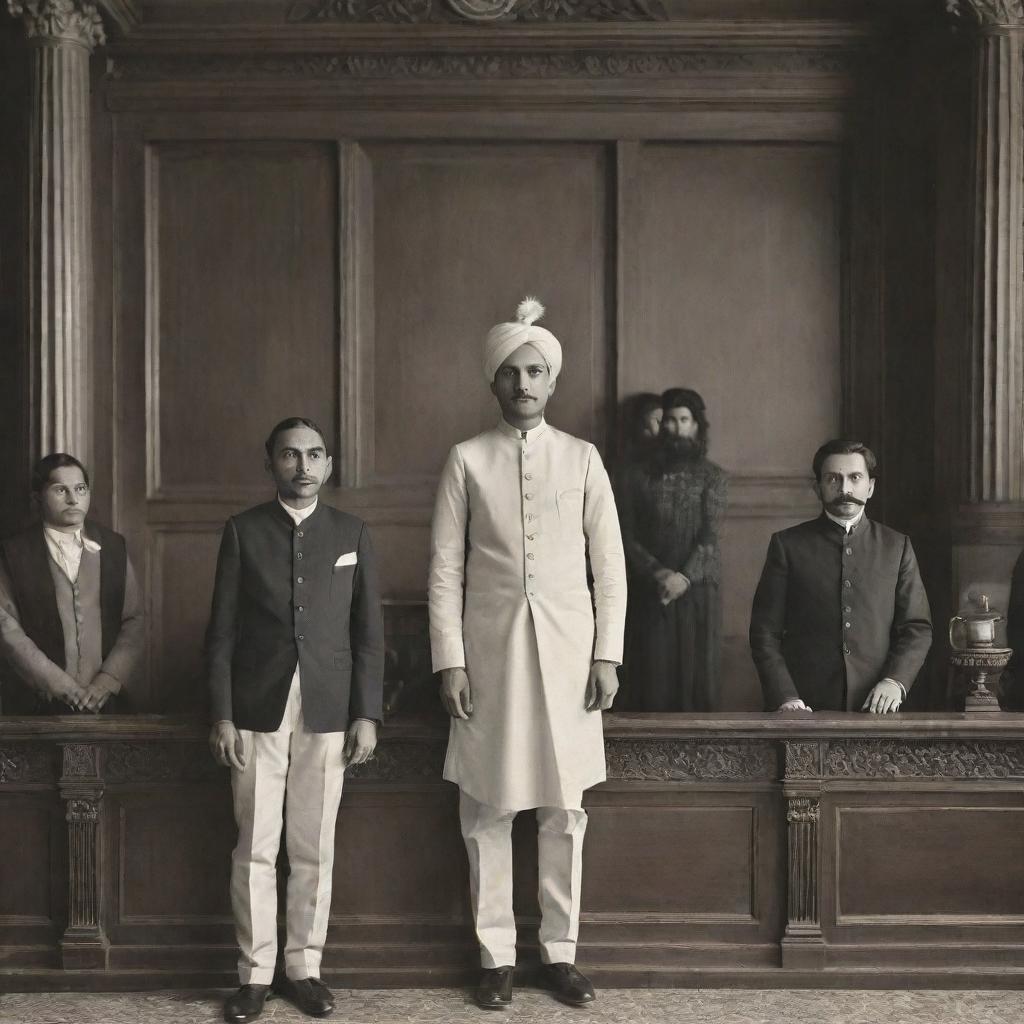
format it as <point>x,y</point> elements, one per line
<point>671,520</point>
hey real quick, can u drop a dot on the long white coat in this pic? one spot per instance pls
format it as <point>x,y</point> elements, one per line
<point>517,516</point>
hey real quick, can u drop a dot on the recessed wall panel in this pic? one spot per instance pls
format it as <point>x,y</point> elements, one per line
<point>737,294</point>
<point>461,235</point>
<point>242,289</point>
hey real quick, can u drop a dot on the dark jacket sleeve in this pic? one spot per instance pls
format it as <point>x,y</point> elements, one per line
<point>222,630</point>
<point>767,627</point>
<point>366,631</point>
<point>911,623</point>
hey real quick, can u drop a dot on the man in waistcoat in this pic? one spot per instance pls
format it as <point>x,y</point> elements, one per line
<point>840,620</point>
<point>295,655</point>
<point>71,628</point>
<point>525,670</point>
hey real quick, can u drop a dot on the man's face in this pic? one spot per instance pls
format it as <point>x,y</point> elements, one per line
<point>523,385</point>
<point>300,465</point>
<point>652,423</point>
<point>845,486</point>
<point>64,501</point>
<point>679,423</point>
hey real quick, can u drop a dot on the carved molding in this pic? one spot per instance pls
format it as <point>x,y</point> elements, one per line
<point>83,810</point>
<point>159,762</point>
<point>989,13</point>
<point>81,761</point>
<point>802,810</point>
<point>26,764</point>
<point>73,21</point>
<point>473,66</point>
<point>413,12</point>
<point>803,761</point>
<point>691,761</point>
<point>398,761</point>
<point>961,759</point>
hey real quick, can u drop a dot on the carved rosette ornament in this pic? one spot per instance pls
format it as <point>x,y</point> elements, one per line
<point>73,21</point>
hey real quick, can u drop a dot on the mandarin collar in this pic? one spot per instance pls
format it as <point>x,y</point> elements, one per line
<point>522,435</point>
<point>839,524</point>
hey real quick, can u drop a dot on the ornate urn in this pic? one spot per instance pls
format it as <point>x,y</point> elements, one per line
<point>972,636</point>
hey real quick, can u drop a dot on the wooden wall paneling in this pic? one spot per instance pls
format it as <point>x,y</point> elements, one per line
<point>731,260</point>
<point>926,878</point>
<point>355,316</point>
<point>182,558</point>
<point>864,284</point>
<point>461,234</point>
<point>33,858</point>
<point>243,296</point>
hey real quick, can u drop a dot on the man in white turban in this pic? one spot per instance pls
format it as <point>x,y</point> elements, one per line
<point>526,664</point>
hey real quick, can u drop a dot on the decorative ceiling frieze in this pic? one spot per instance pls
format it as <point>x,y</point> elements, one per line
<point>400,12</point>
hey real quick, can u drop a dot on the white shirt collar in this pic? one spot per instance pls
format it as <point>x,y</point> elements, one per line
<point>71,540</point>
<point>298,514</point>
<point>848,525</point>
<point>522,435</point>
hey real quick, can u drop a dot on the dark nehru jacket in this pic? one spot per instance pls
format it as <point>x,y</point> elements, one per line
<point>835,613</point>
<point>280,598</point>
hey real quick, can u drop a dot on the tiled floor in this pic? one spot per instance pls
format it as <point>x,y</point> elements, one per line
<point>618,1006</point>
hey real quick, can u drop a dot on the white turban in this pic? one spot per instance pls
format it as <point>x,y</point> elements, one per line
<point>503,339</point>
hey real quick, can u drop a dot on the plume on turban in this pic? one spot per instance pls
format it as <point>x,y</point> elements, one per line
<point>503,339</point>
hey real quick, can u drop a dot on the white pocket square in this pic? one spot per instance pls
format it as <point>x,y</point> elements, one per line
<point>350,559</point>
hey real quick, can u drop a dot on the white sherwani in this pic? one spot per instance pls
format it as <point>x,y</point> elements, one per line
<point>516,518</point>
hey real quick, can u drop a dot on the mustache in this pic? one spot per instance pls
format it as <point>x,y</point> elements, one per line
<point>845,499</point>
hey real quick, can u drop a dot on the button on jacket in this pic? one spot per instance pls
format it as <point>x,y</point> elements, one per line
<point>834,613</point>
<point>515,522</point>
<point>281,599</point>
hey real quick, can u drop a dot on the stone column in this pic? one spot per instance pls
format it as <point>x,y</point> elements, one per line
<point>84,944</point>
<point>62,34</point>
<point>996,456</point>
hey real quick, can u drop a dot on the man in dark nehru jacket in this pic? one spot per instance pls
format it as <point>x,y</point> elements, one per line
<point>71,630</point>
<point>296,661</point>
<point>840,619</point>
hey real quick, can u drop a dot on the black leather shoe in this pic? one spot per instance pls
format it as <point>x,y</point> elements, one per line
<point>246,1004</point>
<point>310,995</point>
<point>495,989</point>
<point>567,984</point>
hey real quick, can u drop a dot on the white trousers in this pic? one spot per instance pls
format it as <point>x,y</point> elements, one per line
<point>298,772</point>
<point>487,832</point>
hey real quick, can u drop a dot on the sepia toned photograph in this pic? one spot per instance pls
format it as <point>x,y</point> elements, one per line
<point>511,506</point>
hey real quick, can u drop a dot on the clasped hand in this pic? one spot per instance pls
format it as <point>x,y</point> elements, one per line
<point>671,585</point>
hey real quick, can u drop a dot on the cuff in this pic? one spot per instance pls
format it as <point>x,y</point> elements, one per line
<point>448,652</point>
<point>608,650</point>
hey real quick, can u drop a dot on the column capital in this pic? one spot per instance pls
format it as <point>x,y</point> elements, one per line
<point>73,21</point>
<point>989,14</point>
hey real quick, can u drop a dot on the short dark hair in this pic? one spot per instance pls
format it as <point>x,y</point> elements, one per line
<point>42,470</point>
<point>687,398</point>
<point>290,424</point>
<point>844,446</point>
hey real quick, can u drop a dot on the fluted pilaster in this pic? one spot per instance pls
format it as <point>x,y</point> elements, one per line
<point>62,34</point>
<point>996,458</point>
<point>83,944</point>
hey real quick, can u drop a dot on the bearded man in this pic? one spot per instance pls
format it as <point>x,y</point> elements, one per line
<point>671,507</point>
